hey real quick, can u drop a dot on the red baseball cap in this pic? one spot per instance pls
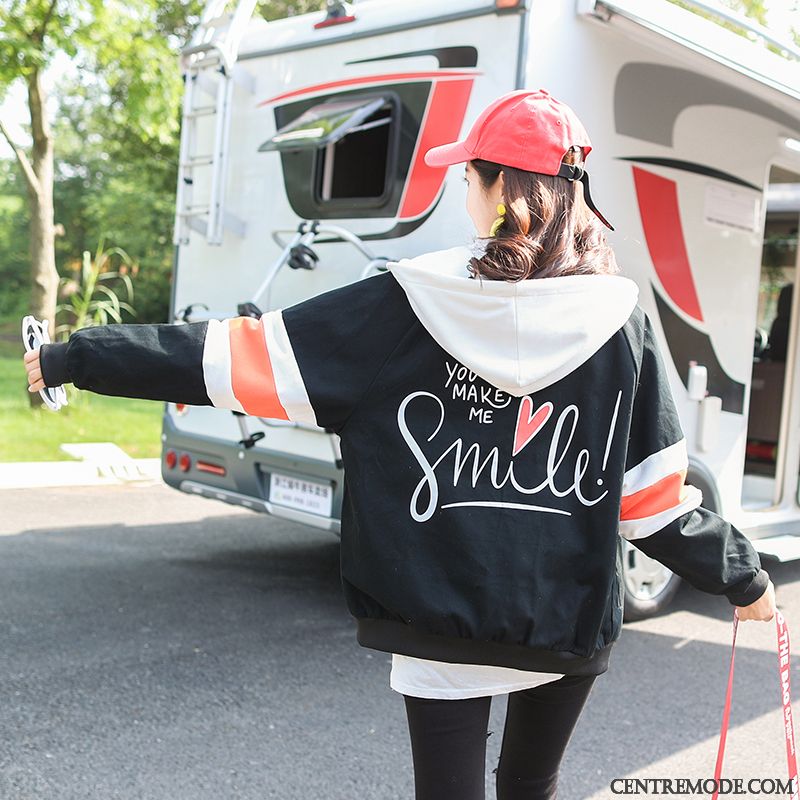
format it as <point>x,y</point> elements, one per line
<point>525,129</point>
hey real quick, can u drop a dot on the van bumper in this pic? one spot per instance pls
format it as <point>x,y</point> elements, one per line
<point>246,478</point>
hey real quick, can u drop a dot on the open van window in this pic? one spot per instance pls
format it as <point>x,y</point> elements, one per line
<point>352,140</point>
<point>355,166</point>
<point>324,124</point>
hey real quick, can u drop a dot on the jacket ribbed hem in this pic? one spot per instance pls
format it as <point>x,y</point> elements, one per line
<point>754,590</point>
<point>396,637</point>
<point>53,363</point>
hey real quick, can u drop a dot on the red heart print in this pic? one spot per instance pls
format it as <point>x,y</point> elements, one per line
<point>529,423</point>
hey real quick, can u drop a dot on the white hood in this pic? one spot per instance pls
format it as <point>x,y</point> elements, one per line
<point>519,336</point>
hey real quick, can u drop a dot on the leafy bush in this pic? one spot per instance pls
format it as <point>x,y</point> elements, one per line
<point>93,298</point>
<point>90,301</point>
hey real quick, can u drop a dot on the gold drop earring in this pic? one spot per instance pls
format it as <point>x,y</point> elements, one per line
<point>501,210</point>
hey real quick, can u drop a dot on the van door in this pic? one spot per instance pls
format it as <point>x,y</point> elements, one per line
<point>768,449</point>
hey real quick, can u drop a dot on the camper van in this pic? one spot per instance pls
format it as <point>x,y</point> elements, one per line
<point>301,170</point>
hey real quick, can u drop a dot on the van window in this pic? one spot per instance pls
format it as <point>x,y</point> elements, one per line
<point>323,124</point>
<point>356,165</point>
<point>346,146</point>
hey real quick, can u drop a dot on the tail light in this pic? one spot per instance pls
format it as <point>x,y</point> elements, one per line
<point>171,459</point>
<point>207,466</point>
<point>184,462</point>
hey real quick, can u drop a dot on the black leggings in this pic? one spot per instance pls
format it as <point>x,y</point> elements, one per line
<point>448,741</point>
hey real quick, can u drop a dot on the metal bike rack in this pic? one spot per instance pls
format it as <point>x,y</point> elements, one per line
<point>302,238</point>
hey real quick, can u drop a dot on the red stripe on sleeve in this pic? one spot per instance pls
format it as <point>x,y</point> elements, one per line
<point>252,378</point>
<point>662,495</point>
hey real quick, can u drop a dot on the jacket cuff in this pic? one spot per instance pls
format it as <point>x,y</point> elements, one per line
<point>754,590</point>
<point>53,363</point>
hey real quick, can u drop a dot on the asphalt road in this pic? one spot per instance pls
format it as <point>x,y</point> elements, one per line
<point>165,646</point>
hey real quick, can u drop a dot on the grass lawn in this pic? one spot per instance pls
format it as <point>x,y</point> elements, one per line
<point>28,434</point>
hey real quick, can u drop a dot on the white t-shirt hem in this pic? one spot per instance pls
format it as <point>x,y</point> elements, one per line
<point>462,694</point>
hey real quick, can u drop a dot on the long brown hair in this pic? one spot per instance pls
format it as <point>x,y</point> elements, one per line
<point>548,230</point>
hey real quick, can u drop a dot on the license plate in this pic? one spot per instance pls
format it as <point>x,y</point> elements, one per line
<point>302,494</point>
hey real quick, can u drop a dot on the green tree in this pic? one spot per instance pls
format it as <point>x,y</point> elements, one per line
<point>111,170</point>
<point>130,84</point>
<point>132,63</point>
<point>111,183</point>
<point>14,256</point>
<point>755,9</point>
<point>278,9</point>
<point>34,31</point>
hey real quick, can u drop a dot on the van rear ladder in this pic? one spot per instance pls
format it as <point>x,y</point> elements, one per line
<point>209,65</point>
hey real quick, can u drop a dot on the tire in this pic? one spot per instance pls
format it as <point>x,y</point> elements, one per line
<point>649,585</point>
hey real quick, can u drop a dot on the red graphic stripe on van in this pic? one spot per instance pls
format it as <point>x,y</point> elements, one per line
<point>252,376</point>
<point>362,79</point>
<point>658,206</point>
<point>447,105</point>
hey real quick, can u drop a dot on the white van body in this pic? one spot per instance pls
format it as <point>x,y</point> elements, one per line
<point>689,123</point>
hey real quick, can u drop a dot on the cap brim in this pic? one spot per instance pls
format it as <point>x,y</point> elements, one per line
<point>446,154</point>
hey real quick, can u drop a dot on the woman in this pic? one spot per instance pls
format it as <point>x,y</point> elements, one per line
<point>504,417</point>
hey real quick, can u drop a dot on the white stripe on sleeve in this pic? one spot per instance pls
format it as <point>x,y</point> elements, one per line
<point>217,366</point>
<point>637,528</point>
<point>655,467</point>
<point>288,381</point>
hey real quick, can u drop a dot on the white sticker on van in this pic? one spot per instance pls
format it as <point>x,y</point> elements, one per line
<point>732,207</point>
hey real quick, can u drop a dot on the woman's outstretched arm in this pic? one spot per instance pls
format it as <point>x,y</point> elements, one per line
<point>312,362</point>
<point>242,364</point>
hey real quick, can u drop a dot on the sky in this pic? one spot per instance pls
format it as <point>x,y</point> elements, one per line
<point>782,16</point>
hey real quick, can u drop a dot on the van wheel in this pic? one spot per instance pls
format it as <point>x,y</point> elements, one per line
<point>649,585</point>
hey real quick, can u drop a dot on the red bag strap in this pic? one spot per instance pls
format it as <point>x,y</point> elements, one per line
<point>786,701</point>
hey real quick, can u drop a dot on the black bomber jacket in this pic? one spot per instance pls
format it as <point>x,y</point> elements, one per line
<point>498,438</point>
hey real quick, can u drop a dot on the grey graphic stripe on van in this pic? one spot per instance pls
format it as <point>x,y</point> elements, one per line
<point>648,98</point>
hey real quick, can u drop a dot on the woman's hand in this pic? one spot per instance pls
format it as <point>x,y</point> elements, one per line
<point>34,368</point>
<point>762,609</point>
